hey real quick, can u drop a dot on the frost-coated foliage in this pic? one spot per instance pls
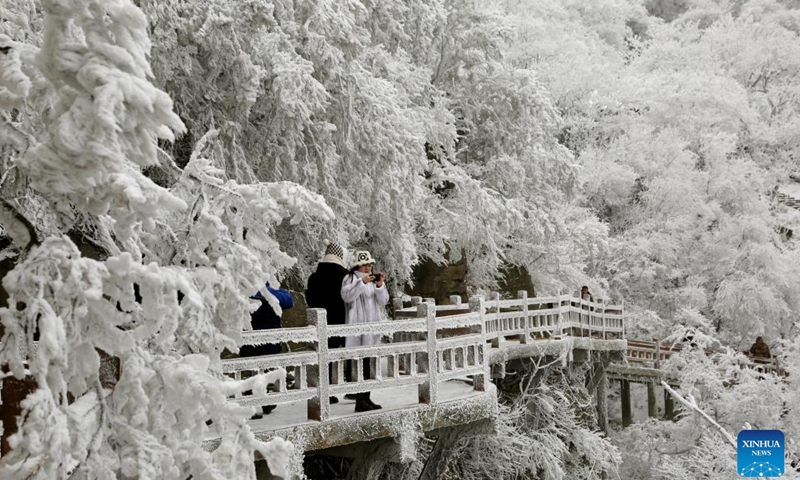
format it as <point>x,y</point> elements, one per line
<point>629,145</point>
<point>406,116</point>
<point>545,431</point>
<point>682,129</point>
<point>735,398</point>
<point>81,121</point>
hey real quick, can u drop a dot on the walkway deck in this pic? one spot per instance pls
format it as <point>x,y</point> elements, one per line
<point>401,415</point>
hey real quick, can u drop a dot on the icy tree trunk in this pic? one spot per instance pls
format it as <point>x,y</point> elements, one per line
<point>14,392</point>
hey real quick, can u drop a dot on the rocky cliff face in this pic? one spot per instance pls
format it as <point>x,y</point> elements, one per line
<point>430,281</point>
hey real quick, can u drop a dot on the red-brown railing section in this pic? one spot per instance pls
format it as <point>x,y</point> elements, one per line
<point>653,354</point>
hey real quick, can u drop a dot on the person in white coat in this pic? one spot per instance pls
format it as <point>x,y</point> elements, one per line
<point>365,295</point>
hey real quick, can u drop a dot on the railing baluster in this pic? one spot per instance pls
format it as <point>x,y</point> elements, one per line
<point>358,369</point>
<point>302,378</point>
<point>460,357</point>
<point>340,372</point>
<point>237,376</point>
<point>393,367</point>
<point>375,366</point>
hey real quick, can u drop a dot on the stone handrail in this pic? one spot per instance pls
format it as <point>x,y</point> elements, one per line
<point>428,360</point>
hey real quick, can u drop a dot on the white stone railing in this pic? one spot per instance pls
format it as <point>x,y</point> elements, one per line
<point>426,350</point>
<point>537,317</point>
<point>424,360</point>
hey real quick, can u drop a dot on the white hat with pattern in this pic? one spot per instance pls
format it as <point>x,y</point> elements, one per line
<point>362,257</point>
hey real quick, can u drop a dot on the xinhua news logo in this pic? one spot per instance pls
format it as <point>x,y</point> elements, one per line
<point>760,453</point>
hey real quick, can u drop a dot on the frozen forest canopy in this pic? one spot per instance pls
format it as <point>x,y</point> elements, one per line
<point>198,150</point>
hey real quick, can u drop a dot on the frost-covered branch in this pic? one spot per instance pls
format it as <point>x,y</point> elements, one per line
<point>692,405</point>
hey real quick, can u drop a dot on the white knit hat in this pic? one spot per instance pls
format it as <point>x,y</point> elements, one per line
<point>334,253</point>
<point>362,257</point>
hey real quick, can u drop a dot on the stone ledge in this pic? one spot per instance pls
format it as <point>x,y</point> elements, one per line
<point>403,424</point>
<point>636,374</point>
<point>553,347</point>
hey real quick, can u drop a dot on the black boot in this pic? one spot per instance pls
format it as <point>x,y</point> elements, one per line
<point>267,409</point>
<point>361,403</point>
<point>372,404</point>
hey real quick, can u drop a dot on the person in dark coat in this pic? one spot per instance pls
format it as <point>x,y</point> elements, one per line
<point>324,291</point>
<point>324,288</point>
<point>265,318</point>
<point>760,349</point>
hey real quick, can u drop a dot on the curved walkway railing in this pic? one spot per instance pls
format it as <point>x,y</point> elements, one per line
<point>652,354</point>
<point>430,345</point>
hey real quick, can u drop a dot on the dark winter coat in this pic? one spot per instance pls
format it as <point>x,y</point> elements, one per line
<point>760,350</point>
<point>265,318</point>
<point>324,291</point>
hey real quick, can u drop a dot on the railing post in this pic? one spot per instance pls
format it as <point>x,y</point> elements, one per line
<point>429,389</point>
<point>455,300</point>
<point>319,407</point>
<point>658,353</point>
<point>526,337</point>
<point>560,319</point>
<point>476,304</point>
<point>603,315</point>
<point>397,304</point>
<point>499,325</point>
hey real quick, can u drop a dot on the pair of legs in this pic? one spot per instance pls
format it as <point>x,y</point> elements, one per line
<point>363,401</point>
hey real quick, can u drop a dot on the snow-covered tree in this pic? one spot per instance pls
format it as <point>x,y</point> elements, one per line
<point>407,116</point>
<point>164,288</point>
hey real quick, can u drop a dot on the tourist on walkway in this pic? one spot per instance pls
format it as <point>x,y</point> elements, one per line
<point>325,291</point>
<point>760,349</point>
<point>365,296</point>
<point>586,294</point>
<point>265,318</point>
